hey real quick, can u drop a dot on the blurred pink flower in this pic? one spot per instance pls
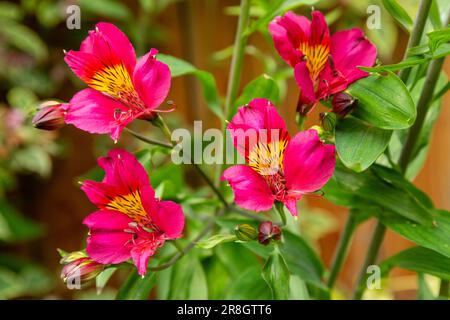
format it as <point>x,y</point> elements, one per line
<point>278,168</point>
<point>121,88</point>
<point>323,64</point>
<point>130,222</point>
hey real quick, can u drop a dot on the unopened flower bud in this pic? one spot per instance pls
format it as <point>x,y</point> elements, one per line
<point>72,256</point>
<point>267,232</point>
<point>79,269</point>
<point>245,232</point>
<point>343,104</point>
<point>328,121</point>
<point>50,116</point>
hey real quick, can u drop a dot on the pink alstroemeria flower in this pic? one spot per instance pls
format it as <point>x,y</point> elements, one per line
<point>121,89</point>
<point>279,168</point>
<point>324,64</point>
<point>130,222</point>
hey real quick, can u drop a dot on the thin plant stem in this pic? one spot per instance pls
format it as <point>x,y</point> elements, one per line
<point>416,34</point>
<point>342,247</point>
<point>444,288</point>
<point>159,122</point>
<point>234,79</point>
<point>280,210</point>
<point>240,42</point>
<point>422,109</point>
<point>190,245</point>
<point>147,140</point>
<point>371,257</point>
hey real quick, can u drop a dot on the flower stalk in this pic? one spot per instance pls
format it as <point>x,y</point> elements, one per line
<point>237,57</point>
<point>416,34</point>
<point>342,247</point>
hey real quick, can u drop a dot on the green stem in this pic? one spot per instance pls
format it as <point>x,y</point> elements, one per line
<point>234,79</point>
<point>422,109</point>
<point>177,246</point>
<point>279,208</point>
<point>159,122</point>
<point>444,289</point>
<point>408,148</point>
<point>302,283</point>
<point>300,121</point>
<point>371,257</point>
<point>147,140</point>
<point>342,248</point>
<point>191,244</point>
<point>240,42</point>
<point>416,34</point>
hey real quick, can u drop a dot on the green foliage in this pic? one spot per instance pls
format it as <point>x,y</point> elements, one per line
<point>261,87</point>
<point>277,276</point>
<point>179,68</point>
<point>14,227</point>
<point>136,287</point>
<point>216,240</point>
<point>19,278</point>
<point>383,101</point>
<point>359,144</point>
<point>106,8</point>
<point>420,260</point>
<point>379,189</point>
<point>398,13</point>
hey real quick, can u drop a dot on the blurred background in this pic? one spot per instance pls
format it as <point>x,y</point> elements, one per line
<point>41,204</point>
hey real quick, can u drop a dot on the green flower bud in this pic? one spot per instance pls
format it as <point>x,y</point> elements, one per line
<point>245,232</point>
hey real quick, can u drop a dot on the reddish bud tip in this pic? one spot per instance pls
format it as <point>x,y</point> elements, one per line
<point>267,232</point>
<point>79,268</point>
<point>50,116</point>
<point>343,104</point>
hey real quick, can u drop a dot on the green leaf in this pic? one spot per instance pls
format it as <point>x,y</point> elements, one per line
<point>408,63</point>
<point>301,259</point>
<point>187,280</point>
<point>436,237</point>
<point>437,38</point>
<point>14,227</point>
<point>420,260</point>
<point>180,67</point>
<point>421,147</point>
<point>261,87</point>
<point>358,144</point>
<point>216,240</point>
<point>249,285</point>
<point>24,39</point>
<point>102,279</point>
<point>21,278</point>
<point>106,8</point>
<point>398,13</point>
<point>22,98</point>
<point>276,275</point>
<point>424,291</point>
<point>218,278</point>
<point>136,287</point>
<point>236,257</point>
<point>277,8</point>
<point>381,189</point>
<point>10,11</point>
<point>383,101</point>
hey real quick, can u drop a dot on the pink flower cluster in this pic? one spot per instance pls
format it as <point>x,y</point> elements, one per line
<point>131,223</point>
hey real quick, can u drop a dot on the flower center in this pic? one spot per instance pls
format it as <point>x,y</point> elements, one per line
<point>267,160</point>
<point>316,56</point>
<point>131,205</point>
<point>115,81</point>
